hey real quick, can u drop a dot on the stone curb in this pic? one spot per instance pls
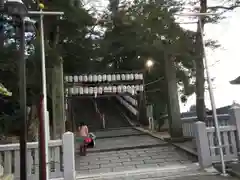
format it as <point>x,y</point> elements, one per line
<point>128,148</point>
<point>161,171</point>
<point>124,135</point>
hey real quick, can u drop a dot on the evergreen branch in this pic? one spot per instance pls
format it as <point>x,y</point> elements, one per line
<point>223,7</point>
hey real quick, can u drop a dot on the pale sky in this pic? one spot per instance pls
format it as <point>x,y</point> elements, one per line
<point>224,62</point>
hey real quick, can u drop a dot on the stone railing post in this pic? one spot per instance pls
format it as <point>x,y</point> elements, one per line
<point>234,113</point>
<point>69,172</point>
<point>203,150</point>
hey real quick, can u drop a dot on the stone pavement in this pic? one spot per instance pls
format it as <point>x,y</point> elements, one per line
<point>169,177</point>
<point>179,177</point>
<point>110,133</point>
<point>129,154</point>
<point>117,161</point>
<point>123,138</point>
<point>127,142</point>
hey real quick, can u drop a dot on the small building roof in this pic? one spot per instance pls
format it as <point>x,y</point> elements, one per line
<point>235,81</point>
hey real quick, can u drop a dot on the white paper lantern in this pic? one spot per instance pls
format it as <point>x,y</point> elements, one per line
<point>95,78</point>
<point>137,87</point>
<point>123,77</point>
<point>133,87</point>
<point>131,77</point>
<point>95,90</point>
<point>71,91</point>
<point>100,90</point>
<point>80,90</point>
<point>66,78</point>
<point>99,78</point>
<point>105,89</point>
<point>129,89</point>
<point>90,78</point>
<point>66,91</point>
<point>127,77</point>
<point>114,89</point>
<point>76,91</point>
<point>113,77</point>
<point>141,88</point>
<point>136,77</point>
<point>85,91</point>
<point>70,79</point>
<point>85,78</point>
<point>80,78</point>
<point>119,89</point>
<point>110,89</point>
<point>75,78</point>
<point>109,77</point>
<point>141,76</point>
<point>124,88</point>
<point>104,77</point>
<point>133,92</point>
<point>90,90</point>
<point>118,77</point>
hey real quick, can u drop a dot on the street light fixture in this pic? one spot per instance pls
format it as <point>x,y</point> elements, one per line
<point>17,9</point>
<point>149,63</point>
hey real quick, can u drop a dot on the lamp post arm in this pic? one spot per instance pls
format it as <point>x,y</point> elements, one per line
<point>45,12</point>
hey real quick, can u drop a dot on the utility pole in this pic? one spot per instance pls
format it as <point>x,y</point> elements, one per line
<point>210,88</point>
<point>44,136</point>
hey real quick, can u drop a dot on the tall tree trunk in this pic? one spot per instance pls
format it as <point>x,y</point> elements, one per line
<point>200,80</point>
<point>174,117</point>
<point>1,33</point>
<point>58,101</point>
<point>114,7</point>
<point>57,86</point>
<point>33,123</point>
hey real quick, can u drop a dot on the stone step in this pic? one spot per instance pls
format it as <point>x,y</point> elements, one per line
<point>161,173</point>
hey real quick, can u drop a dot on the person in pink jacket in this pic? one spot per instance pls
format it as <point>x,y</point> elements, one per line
<point>83,130</point>
<point>83,133</point>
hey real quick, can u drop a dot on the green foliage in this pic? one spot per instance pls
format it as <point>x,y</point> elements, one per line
<point>109,43</point>
<point>135,34</point>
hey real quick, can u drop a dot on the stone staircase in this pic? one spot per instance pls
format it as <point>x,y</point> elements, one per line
<point>113,117</point>
<point>167,172</point>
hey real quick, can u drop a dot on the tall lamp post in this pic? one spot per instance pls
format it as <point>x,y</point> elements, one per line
<point>18,9</point>
<point>44,135</point>
<point>210,89</point>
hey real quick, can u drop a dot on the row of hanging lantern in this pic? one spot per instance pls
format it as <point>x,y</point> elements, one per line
<point>104,77</point>
<point>133,89</point>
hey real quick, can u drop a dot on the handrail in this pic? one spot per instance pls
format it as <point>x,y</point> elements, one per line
<point>102,117</point>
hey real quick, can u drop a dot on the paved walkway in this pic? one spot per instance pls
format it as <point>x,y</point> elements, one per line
<point>116,161</point>
<point>129,154</point>
<point>128,150</point>
<point>110,133</point>
<point>119,139</point>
